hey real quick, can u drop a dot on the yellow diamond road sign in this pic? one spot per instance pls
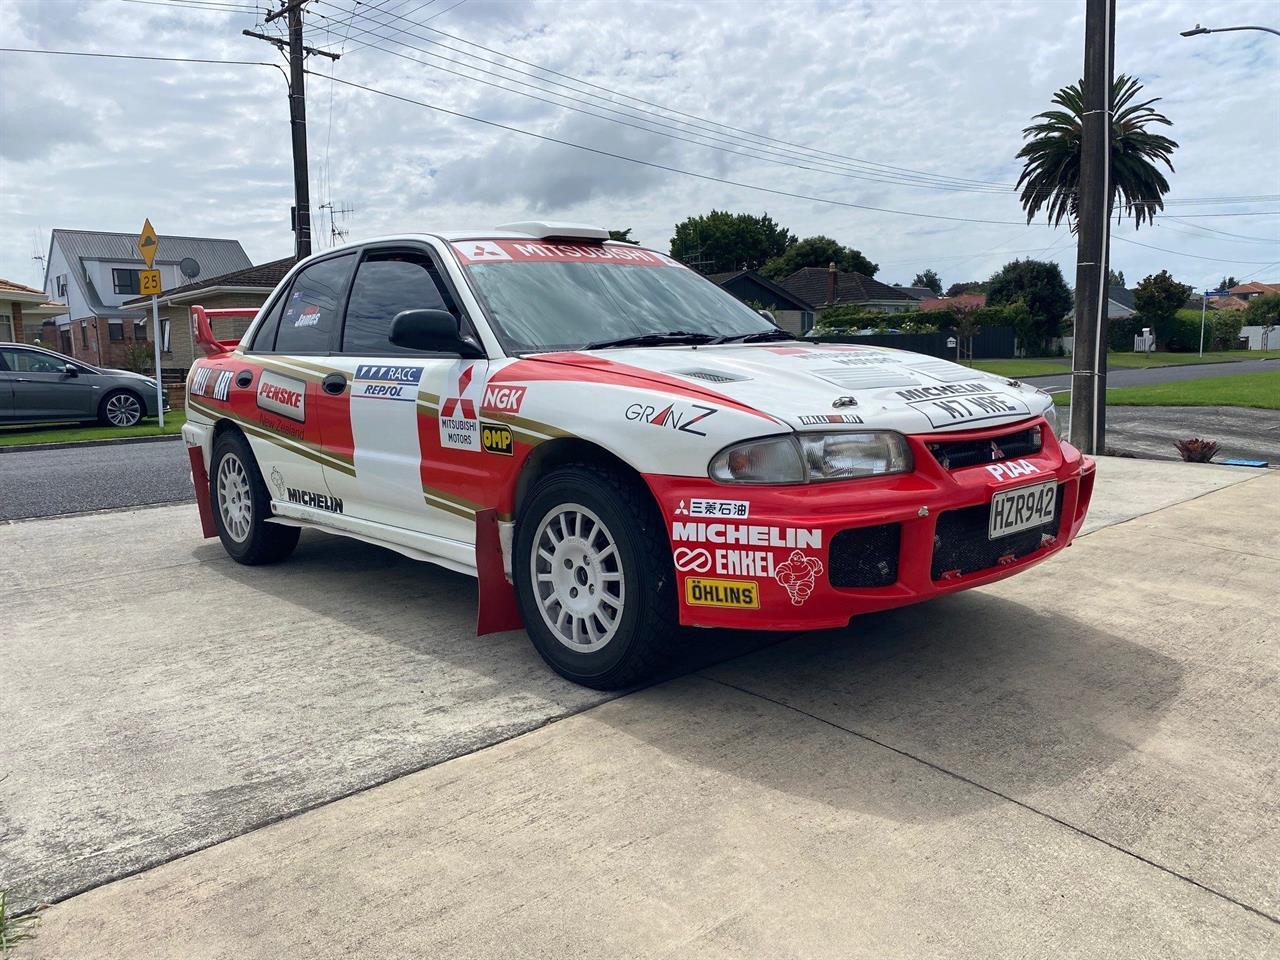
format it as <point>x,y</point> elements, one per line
<point>148,242</point>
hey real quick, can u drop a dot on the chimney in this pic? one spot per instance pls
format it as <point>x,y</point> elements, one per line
<point>831,283</point>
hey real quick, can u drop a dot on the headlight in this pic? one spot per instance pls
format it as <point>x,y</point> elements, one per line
<point>811,458</point>
<point>1051,415</point>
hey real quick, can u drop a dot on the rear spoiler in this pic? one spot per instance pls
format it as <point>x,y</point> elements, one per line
<point>202,328</point>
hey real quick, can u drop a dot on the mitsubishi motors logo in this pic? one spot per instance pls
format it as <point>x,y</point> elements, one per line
<point>459,426</point>
<point>478,251</point>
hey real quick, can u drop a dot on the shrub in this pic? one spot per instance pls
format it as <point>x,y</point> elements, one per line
<point>1196,450</point>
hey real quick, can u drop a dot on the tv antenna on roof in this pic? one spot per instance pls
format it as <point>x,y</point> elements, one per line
<point>337,234</point>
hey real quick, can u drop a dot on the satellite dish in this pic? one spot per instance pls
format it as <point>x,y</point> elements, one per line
<point>189,267</point>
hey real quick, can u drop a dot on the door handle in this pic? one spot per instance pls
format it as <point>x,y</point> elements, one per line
<point>334,383</point>
<point>23,380</point>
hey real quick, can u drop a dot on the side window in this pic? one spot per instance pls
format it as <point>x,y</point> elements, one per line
<point>387,283</point>
<point>28,361</point>
<point>264,341</point>
<point>309,323</point>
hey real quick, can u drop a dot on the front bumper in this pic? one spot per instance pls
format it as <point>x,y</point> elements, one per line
<point>813,556</point>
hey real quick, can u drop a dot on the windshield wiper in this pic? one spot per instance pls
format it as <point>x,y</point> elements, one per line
<point>653,340</point>
<point>760,336</point>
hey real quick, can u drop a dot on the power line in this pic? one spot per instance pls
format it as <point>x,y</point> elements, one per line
<point>1224,233</point>
<point>851,163</point>
<point>1179,253</point>
<point>662,166</point>
<point>209,6</point>
<point>135,56</point>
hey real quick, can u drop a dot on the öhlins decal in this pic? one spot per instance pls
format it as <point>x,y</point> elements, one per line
<point>739,594</point>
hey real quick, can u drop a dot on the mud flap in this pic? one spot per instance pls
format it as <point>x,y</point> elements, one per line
<point>497,609</point>
<point>200,480</point>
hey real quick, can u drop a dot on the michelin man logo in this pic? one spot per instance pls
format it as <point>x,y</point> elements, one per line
<point>277,481</point>
<point>797,574</point>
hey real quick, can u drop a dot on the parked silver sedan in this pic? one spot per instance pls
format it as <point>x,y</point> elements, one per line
<point>40,386</point>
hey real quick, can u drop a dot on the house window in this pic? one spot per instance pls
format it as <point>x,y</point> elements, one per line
<point>140,330</point>
<point>61,285</point>
<point>124,281</point>
<point>806,321</point>
<point>115,330</point>
<point>6,327</point>
<point>84,335</point>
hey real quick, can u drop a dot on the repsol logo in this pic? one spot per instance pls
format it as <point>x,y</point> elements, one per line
<point>320,501</point>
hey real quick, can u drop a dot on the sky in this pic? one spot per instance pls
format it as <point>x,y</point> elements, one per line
<point>827,100</point>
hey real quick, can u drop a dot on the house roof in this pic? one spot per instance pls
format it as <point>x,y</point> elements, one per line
<point>265,276</point>
<point>214,256</point>
<point>920,293</point>
<point>959,300</point>
<point>779,292</point>
<point>1121,295</point>
<point>813,285</point>
<point>11,291</point>
<point>1255,286</point>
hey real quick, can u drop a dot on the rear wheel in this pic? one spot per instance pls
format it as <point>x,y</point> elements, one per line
<point>242,506</point>
<point>120,408</point>
<point>594,578</point>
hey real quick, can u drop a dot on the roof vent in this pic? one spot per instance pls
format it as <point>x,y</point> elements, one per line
<point>556,230</point>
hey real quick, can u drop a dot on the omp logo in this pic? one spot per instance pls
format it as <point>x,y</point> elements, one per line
<point>741,594</point>
<point>319,501</point>
<point>671,416</point>
<point>281,394</point>
<point>502,399</point>
<point>496,438</point>
<point>460,403</point>
<point>482,250</point>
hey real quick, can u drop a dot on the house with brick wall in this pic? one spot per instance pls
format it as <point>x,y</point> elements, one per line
<point>94,273</point>
<point>27,315</point>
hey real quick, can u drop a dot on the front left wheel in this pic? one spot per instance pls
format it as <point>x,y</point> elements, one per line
<point>242,506</point>
<point>120,408</point>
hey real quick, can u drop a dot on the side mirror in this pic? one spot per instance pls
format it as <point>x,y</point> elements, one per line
<point>768,316</point>
<point>71,370</point>
<point>435,330</point>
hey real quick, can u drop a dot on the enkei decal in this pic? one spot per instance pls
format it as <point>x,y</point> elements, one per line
<point>382,382</point>
<point>1012,468</point>
<point>499,398</point>
<point>319,501</point>
<point>961,402</point>
<point>281,394</point>
<point>699,507</point>
<point>747,535</point>
<point>814,419</point>
<point>459,426</point>
<point>726,562</point>
<point>740,594</point>
<point>696,559</point>
<point>680,417</point>
<point>797,574</point>
<point>497,438</point>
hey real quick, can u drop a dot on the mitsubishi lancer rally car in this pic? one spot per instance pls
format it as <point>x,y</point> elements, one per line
<point>616,448</point>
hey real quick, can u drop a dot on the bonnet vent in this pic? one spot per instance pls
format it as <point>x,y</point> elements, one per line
<point>714,376</point>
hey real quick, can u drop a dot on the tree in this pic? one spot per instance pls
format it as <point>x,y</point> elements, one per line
<point>1263,311</point>
<point>1051,175</point>
<point>1228,282</point>
<point>1157,299</point>
<point>928,278</point>
<point>721,241</point>
<point>1115,278</point>
<point>623,235</point>
<point>969,286</point>
<point>818,251</point>
<point>1040,287</point>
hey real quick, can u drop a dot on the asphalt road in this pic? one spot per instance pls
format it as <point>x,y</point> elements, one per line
<point>46,483</point>
<point>1143,378</point>
<point>1151,432</point>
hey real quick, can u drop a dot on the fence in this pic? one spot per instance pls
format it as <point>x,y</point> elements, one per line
<point>989,343</point>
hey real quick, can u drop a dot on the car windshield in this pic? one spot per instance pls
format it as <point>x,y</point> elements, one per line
<point>550,304</point>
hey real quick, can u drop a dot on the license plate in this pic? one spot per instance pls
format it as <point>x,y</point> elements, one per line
<point>1022,509</point>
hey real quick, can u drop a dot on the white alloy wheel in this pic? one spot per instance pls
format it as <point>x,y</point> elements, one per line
<point>123,410</point>
<point>235,499</point>
<point>577,578</point>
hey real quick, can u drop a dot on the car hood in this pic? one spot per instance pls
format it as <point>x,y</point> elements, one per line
<point>816,386</point>
<point>126,373</point>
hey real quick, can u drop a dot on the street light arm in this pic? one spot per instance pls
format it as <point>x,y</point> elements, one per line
<point>1199,30</point>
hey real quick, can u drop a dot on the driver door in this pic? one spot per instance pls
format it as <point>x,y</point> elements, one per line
<point>43,388</point>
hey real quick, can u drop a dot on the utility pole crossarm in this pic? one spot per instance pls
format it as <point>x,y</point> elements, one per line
<point>285,10</point>
<point>262,36</point>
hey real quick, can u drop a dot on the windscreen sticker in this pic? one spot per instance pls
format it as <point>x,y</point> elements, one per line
<point>521,251</point>
<point>962,403</point>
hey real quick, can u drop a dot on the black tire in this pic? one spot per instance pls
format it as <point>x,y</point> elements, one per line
<point>253,540</point>
<point>646,630</point>
<point>118,403</point>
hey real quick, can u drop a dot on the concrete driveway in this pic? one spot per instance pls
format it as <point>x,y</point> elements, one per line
<point>1078,761</point>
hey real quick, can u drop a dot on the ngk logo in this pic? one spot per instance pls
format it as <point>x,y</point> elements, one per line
<point>502,399</point>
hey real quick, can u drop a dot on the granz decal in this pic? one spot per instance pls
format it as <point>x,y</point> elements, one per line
<point>1012,468</point>
<point>382,382</point>
<point>960,402</point>
<point>676,418</point>
<point>700,507</point>
<point>740,594</point>
<point>283,395</point>
<point>502,399</point>
<point>810,420</point>
<point>319,501</point>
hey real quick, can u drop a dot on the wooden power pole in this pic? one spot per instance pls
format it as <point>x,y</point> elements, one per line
<point>297,53</point>
<point>1089,353</point>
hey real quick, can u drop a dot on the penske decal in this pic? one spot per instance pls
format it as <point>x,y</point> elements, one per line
<point>741,594</point>
<point>283,395</point>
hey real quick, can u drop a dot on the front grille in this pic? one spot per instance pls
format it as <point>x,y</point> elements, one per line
<point>865,556</point>
<point>954,454</point>
<point>960,543</point>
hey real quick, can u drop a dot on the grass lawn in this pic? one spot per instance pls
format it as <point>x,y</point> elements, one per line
<point>73,432</point>
<point>1038,366</point>
<point>1247,390</point>
<point>1029,367</point>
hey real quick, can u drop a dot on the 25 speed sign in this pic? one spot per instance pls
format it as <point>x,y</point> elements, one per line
<point>149,283</point>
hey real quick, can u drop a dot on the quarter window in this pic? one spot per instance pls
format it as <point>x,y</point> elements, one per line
<point>309,322</point>
<point>124,281</point>
<point>386,284</point>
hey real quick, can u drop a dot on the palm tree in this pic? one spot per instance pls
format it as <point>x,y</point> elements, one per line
<point>1052,152</point>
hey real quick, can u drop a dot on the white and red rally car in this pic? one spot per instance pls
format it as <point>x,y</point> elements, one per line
<point>614,446</point>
